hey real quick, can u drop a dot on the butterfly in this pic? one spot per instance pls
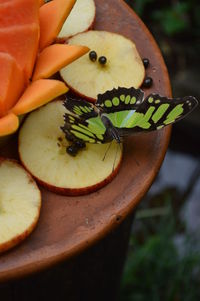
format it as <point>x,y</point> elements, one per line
<point>119,113</point>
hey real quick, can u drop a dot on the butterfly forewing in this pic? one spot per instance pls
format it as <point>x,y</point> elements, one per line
<point>81,108</point>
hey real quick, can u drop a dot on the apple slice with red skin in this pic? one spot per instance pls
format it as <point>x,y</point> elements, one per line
<point>84,11</point>
<point>20,202</point>
<point>123,67</point>
<point>42,150</point>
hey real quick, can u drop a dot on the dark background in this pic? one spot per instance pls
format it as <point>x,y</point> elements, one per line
<point>164,256</point>
<point>176,28</point>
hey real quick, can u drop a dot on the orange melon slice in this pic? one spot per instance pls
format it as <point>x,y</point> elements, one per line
<point>55,57</point>
<point>11,82</point>
<point>39,93</point>
<point>52,17</point>
<point>8,124</point>
<point>21,42</point>
<point>19,12</point>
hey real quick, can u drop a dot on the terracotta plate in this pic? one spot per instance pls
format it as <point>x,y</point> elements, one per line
<point>69,225</point>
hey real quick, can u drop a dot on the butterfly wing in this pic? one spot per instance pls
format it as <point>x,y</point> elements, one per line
<point>91,130</point>
<point>81,108</point>
<point>120,99</point>
<point>84,123</point>
<point>127,113</point>
<point>155,112</point>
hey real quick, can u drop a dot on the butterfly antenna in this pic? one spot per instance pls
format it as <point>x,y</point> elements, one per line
<point>116,156</point>
<point>107,151</point>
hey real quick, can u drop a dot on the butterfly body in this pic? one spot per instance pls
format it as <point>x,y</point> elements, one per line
<point>121,112</point>
<point>112,131</point>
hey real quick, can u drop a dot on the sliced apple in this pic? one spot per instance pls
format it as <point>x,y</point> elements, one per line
<point>44,155</point>
<point>84,11</point>
<point>20,202</point>
<point>124,67</point>
<point>55,57</point>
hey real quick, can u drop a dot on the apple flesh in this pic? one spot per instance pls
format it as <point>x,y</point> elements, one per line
<point>80,19</point>
<point>123,68</point>
<point>42,150</point>
<point>20,202</point>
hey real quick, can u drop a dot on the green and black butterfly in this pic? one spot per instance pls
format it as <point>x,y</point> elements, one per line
<point>118,113</point>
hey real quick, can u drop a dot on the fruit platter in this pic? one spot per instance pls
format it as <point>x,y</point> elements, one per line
<point>73,218</point>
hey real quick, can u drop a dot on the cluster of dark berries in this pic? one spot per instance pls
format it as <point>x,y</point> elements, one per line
<point>73,149</point>
<point>148,81</point>
<point>93,57</point>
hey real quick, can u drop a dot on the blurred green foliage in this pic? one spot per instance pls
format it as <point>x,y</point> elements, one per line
<point>175,25</point>
<point>173,19</point>
<point>158,270</point>
<point>170,17</point>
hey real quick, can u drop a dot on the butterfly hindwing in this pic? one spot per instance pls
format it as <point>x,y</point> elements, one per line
<point>91,130</point>
<point>81,108</point>
<point>120,99</point>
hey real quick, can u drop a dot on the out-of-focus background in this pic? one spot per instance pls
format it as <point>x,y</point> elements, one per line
<point>164,255</point>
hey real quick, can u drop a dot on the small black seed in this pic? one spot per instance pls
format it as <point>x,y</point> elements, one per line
<point>80,144</point>
<point>148,81</point>
<point>146,63</point>
<point>102,60</point>
<point>60,139</point>
<point>72,150</point>
<point>93,56</point>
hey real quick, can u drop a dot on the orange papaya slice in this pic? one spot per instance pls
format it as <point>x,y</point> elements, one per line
<point>5,1</point>
<point>21,42</point>
<point>52,17</point>
<point>55,57</point>
<point>8,124</point>
<point>41,2</point>
<point>19,12</point>
<point>12,82</point>
<point>39,93</point>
